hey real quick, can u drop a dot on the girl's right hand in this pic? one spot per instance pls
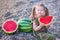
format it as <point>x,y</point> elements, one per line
<point>42,24</point>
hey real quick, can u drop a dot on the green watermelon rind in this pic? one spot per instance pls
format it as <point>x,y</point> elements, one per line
<point>25,29</point>
<point>24,22</point>
<point>26,19</point>
<point>8,33</point>
<point>25,25</point>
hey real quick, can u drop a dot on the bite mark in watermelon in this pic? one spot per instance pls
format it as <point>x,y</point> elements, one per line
<point>9,26</point>
<point>46,20</point>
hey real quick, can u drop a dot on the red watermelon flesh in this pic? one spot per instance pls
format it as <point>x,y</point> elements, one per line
<point>46,20</point>
<point>10,26</point>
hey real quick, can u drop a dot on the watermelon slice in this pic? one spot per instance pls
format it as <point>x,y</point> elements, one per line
<point>46,20</point>
<point>9,26</point>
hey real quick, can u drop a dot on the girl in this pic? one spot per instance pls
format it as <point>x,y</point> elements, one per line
<point>40,30</point>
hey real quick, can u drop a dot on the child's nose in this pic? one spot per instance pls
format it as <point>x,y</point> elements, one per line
<point>40,13</point>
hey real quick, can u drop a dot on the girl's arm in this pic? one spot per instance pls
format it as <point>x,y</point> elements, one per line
<point>35,27</point>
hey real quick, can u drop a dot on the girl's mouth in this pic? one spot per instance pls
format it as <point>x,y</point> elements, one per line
<point>41,15</point>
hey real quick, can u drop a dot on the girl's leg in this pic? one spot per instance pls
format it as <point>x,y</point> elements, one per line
<point>47,36</point>
<point>51,37</point>
<point>36,36</point>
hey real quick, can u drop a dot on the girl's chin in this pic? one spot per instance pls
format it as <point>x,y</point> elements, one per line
<point>39,16</point>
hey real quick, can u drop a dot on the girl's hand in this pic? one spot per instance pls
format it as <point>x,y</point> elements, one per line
<point>42,24</point>
<point>46,25</point>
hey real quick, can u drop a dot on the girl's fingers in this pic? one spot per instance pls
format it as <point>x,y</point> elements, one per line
<point>42,24</point>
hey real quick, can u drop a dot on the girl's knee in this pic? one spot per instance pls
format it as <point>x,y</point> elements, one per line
<point>52,37</point>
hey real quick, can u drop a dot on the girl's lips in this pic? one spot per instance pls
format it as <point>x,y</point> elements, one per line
<point>41,15</point>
